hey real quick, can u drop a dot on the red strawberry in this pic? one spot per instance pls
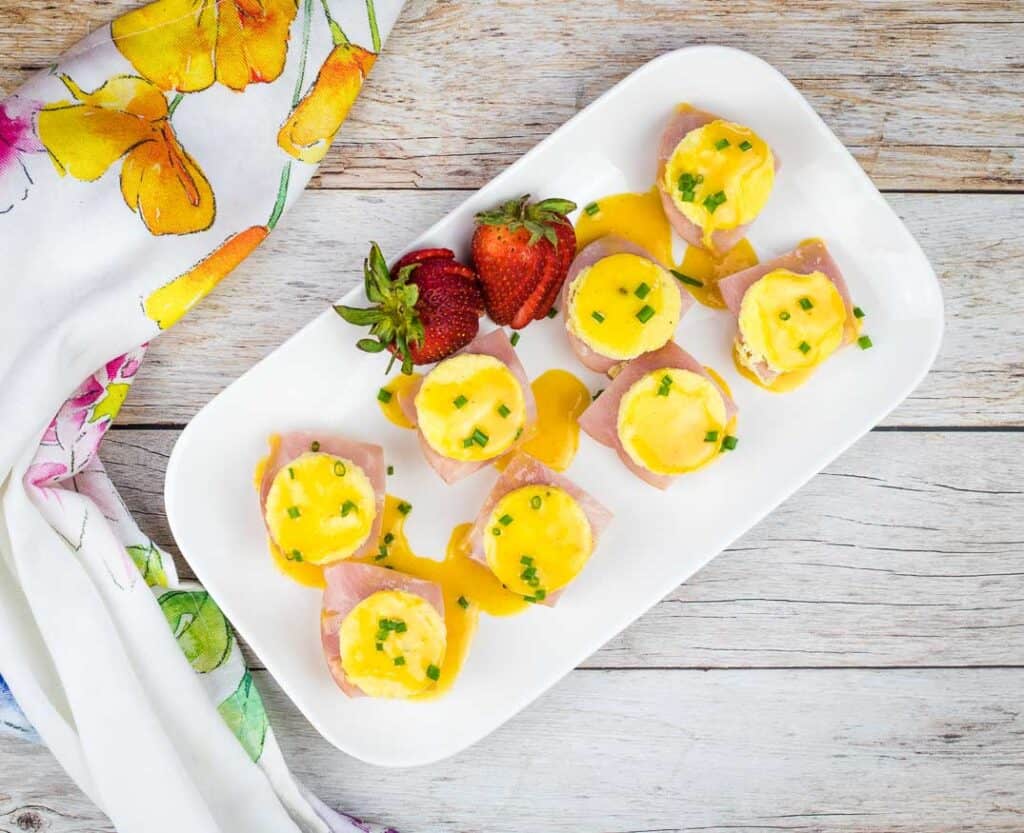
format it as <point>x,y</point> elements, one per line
<point>522,252</point>
<point>425,309</point>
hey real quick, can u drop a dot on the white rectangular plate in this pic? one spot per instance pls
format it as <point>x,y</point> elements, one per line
<point>319,381</point>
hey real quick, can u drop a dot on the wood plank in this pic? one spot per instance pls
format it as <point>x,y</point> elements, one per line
<point>317,252</point>
<point>935,109</point>
<point>924,751</point>
<point>908,550</point>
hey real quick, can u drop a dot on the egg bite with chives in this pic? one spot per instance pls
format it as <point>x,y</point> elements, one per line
<point>383,632</point>
<point>322,496</point>
<point>537,530</point>
<point>715,176</point>
<point>620,303</point>
<point>792,313</point>
<point>472,408</point>
<point>664,415</point>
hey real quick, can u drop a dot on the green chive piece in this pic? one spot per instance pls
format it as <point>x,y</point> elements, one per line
<point>389,538</point>
<point>864,343</point>
<point>380,646</point>
<point>315,446</point>
<point>503,411</point>
<point>391,469</point>
<point>381,636</point>
<point>687,196</point>
<point>540,595</point>
<point>400,626</point>
<point>785,316</point>
<point>712,201</point>
<point>463,602</point>
<point>729,442</point>
<point>405,508</point>
<point>466,443</point>
<point>646,313</point>
<point>533,582</point>
<point>805,303</point>
<point>519,433</point>
<point>381,555</point>
<point>722,144</point>
<point>805,348</point>
<point>528,573</point>
<point>514,339</point>
<point>552,312</point>
<point>479,437</point>
<point>592,209</point>
<point>711,437</point>
<point>858,312</point>
<point>597,317</point>
<point>745,146</point>
<point>526,559</point>
<point>384,395</point>
<point>496,531</point>
<point>434,672</point>
<point>459,401</point>
<point>686,278</point>
<point>666,384</point>
<point>296,555</point>
<point>346,507</point>
<point>505,520</point>
<point>293,512</point>
<point>642,291</point>
<point>399,660</point>
<point>339,468</point>
<point>535,501</point>
<point>291,472</point>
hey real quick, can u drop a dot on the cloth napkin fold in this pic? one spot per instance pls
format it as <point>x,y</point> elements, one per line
<point>135,174</point>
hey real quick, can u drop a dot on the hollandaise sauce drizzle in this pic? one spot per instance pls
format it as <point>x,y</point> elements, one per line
<point>388,398</point>
<point>701,271</point>
<point>561,400</point>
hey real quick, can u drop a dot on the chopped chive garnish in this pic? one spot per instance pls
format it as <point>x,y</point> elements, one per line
<point>592,208</point>
<point>711,437</point>
<point>722,144</point>
<point>434,672</point>
<point>597,317</point>
<point>528,573</point>
<point>533,582</point>
<point>399,660</point>
<point>519,432</point>
<point>666,384</point>
<point>459,401</point>
<point>805,303</point>
<point>382,553</point>
<point>784,315</point>
<point>405,508</point>
<point>505,520</point>
<point>858,312</point>
<point>384,395</point>
<point>745,146</point>
<point>687,196</point>
<point>389,538</point>
<point>315,446</point>
<point>296,555</point>
<point>514,339</point>
<point>291,472</point>
<point>712,201</point>
<point>400,626</point>
<point>686,278</point>
<point>642,291</point>
<point>293,512</point>
<point>535,501</point>
<point>347,507</point>
<point>391,469</point>
<point>466,443</point>
<point>646,313</point>
<point>381,635</point>
<point>503,411</point>
<point>526,559</point>
<point>805,348</point>
<point>552,312</point>
<point>496,531</point>
<point>540,595</point>
<point>864,343</point>
<point>380,646</point>
<point>597,393</point>
<point>729,442</point>
<point>479,437</point>
<point>463,602</point>
<point>339,468</point>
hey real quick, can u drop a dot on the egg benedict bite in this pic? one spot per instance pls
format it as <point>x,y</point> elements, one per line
<point>792,313</point>
<point>620,303</point>
<point>715,177</point>
<point>322,497</point>
<point>472,408</point>
<point>383,632</point>
<point>664,415</point>
<point>536,530</point>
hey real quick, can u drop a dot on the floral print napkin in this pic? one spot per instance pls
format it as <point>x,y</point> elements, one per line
<point>135,174</point>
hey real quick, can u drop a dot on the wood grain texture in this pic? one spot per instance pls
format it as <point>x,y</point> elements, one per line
<point>908,751</point>
<point>316,255</point>
<point>905,551</point>
<point>925,94</point>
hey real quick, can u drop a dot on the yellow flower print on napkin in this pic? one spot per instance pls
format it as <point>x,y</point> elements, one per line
<point>127,117</point>
<point>309,130</point>
<point>187,45</point>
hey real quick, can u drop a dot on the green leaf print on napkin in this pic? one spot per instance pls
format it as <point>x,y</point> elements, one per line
<point>150,564</point>
<point>200,628</point>
<point>244,713</point>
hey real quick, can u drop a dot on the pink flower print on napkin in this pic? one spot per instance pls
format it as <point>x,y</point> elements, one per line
<point>17,137</point>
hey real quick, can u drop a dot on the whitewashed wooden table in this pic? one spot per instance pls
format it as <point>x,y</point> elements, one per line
<point>856,662</point>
